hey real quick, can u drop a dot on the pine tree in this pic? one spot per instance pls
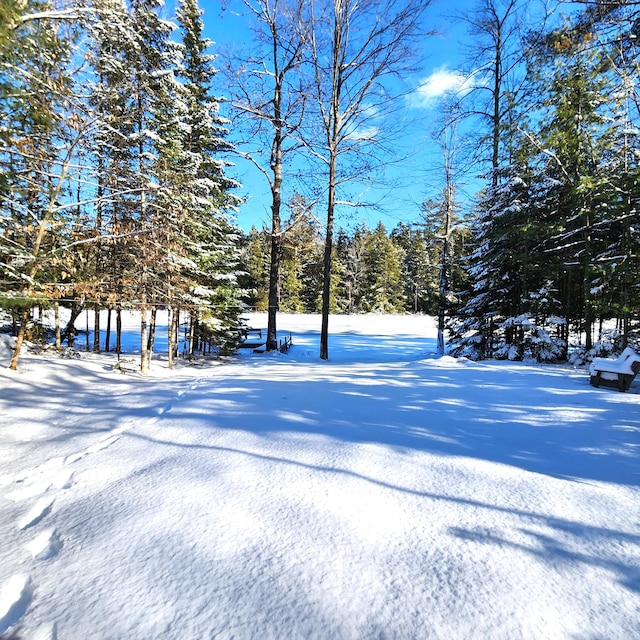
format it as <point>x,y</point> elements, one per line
<point>419,269</point>
<point>301,264</point>
<point>41,127</point>
<point>256,262</point>
<point>382,290</point>
<point>573,142</point>
<point>111,41</point>
<point>350,268</point>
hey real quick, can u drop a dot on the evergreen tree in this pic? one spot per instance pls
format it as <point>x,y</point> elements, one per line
<point>573,143</point>
<point>111,44</point>
<point>41,127</point>
<point>419,268</point>
<point>382,289</point>
<point>255,259</point>
<point>214,238</point>
<point>350,268</point>
<point>301,264</point>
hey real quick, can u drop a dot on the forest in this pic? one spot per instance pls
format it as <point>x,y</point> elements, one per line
<point>119,129</point>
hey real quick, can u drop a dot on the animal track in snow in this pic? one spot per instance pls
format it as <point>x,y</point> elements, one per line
<point>45,545</point>
<point>94,448</point>
<point>39,510</point>
<point>15,597</point>
<point>29,491</point>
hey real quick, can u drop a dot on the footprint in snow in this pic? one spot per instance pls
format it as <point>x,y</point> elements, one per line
<point>31,489</point>
<point>192,387</point>
<point>165,408</point>
<point>45,545</point>
<point>28,475</point>
<point>103,444</point>
<point>39,510</point>
<point>94,448</point>
<point>15,597</point>
<point>64,480</point>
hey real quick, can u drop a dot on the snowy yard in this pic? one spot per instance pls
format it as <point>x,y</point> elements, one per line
<point>387,493</point>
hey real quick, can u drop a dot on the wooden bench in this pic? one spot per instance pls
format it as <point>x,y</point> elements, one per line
<point>616,373</point>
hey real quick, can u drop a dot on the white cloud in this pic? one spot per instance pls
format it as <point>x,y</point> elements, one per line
<point>439,83</point>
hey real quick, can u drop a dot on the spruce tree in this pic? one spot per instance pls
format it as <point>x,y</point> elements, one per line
<point>214,239</point>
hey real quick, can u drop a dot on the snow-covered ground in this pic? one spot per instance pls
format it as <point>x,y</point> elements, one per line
<point>387,493</point>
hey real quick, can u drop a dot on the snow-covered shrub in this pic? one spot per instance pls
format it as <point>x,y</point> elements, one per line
<point>610,344</point>
<point>522,339</point>
<point>540,346</point>
<point>466,349</point>
<point>465,341</point>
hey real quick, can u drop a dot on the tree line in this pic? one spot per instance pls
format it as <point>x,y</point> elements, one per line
<point>115,187</point>
<point>373,270</point>
<point>555,231</point>
<point>113,180</point>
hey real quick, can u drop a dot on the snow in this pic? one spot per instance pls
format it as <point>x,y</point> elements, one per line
<point>387,493</point>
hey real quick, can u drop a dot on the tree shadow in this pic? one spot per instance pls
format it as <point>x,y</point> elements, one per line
<point>550,550</point>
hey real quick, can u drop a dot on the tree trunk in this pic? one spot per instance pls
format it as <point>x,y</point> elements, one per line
<point>176,333</point>
<point>118,330</point>
<point>144,335</point>
<point>107,336</point>
<point>274,275</point>
<point>22,329</point>
<point>152,335</point>
<point>192,333</point>
<point>86,325</point>
<point>96,328</point>
<point>170,337</point>
<point>328,250</point>
<point>69,332</point>
<point>56,308</point>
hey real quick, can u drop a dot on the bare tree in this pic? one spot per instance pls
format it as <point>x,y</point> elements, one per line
<point>270,95</point>
<point>358,49</point>
<point>496,74</point>
<point>448,144</point>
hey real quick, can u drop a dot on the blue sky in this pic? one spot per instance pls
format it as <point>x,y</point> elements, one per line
<point>409,182</point>
<point>420,175</point>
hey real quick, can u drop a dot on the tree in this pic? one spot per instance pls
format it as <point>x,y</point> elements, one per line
<point>269,94</point>
<point>256,261</point>
<point>349,259</point>
<point>612,28</point>
<point>382,290</point>
<point>301,260</point>
<point>419,269</point>
<point>447,227</point>
<point>496,78</point>
<point>111,39</point>
<point>43,126</point>
<point>211,239</point>
<point>571,146</point>
<point>357,48</point>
